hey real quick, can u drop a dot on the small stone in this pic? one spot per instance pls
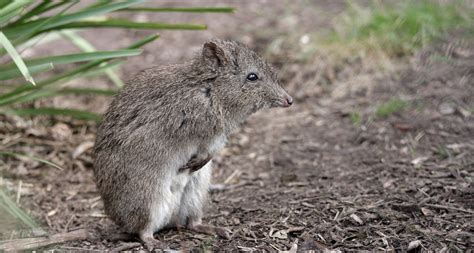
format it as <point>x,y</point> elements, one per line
<point>413,245</point>
<point>446,108</point>
<point>61,131</point>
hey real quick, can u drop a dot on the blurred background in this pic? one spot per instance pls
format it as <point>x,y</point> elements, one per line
<point>376,153</point>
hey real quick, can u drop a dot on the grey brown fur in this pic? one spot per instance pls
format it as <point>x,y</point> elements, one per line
<point>161,128</point>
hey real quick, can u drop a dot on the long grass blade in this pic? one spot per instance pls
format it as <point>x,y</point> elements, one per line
<point>13,6</point>
<point>16,58</point>
<point>5,18</point>
<point>85,46</point>
<point>102,68</point>
<point>40,8</point>
<point>144,41</point>
<point>55,79</point>
<point>11,207</point>
<point>77,114</point>
<point>79,57</point>
<point>34,158</point>
<point>65,19</point>
<point>43,93</point>
<point>40,40</point>
<point>14,73</point>
<point>25,35</point>
<point>123,23</point>
<point>181,9</point>
<point>86,91</point>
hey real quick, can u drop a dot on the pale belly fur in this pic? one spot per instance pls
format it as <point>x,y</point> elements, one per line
<point>182,195</point>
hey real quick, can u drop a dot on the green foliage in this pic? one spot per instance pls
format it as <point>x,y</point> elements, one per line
<point>16,58</point>
<point>355,118</point>
<point>442,152</point>
<point>401,27</point>
<point>11,208</point>
<point>390,107</point>
<point>24,23</point>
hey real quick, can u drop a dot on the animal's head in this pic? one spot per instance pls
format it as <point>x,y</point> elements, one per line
<point>244,80</point>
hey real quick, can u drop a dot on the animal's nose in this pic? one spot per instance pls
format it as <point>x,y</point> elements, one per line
<point>288,101</point>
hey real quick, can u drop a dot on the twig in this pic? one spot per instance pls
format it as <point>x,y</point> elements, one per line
<point>18,194</point>
<point>126,246</point>
<point>450,208</point>
<point>235,173</point>
<point>38,242</point>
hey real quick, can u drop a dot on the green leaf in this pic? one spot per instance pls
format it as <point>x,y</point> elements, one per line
<point>25,35</point>
<point>79,57</point>
<point>4,19</point>
<point>85,46</point>
<point>14,73</point>
<point>40,8</point>
<point>123,23</point>
<point>28,96</point>
<point>43,93</point>
<point>65,19</point>
<point>13,6</point>
<point>8,97</point>
<point>104,67</point>
<point>16,58</point>
<point>144,41</point>
<point>11,207</point>
<point>32,158</point>
<point>78,114</point>
<point>39,40</point>
<point>180,9</point>
<point>86,91</point>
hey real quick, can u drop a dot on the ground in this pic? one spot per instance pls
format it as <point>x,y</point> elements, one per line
<point>341,169</point>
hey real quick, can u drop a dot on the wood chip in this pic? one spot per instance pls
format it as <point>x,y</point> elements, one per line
<point>357,219</point>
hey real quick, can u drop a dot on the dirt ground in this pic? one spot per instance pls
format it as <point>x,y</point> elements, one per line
<point>325,174</point>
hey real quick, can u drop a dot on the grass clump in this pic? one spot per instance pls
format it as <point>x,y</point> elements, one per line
<point>355,118</point>
<point>402,27</point>
<point>390,107</point>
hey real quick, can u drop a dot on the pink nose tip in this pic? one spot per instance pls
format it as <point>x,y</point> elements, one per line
<point>288,101</point>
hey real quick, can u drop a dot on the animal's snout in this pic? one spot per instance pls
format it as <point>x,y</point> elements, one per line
<point>287,101</point>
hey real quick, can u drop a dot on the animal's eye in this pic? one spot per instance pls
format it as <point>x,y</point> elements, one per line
<point>252,77</point>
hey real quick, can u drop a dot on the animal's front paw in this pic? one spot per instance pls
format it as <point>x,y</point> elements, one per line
<point>196,163</point>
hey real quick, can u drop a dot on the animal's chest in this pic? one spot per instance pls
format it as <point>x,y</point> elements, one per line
<point>187,189</point>
<point>182,178</point>
<point>216,144</point>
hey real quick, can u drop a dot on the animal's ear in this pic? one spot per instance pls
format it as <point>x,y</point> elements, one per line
<point>214,55</point>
